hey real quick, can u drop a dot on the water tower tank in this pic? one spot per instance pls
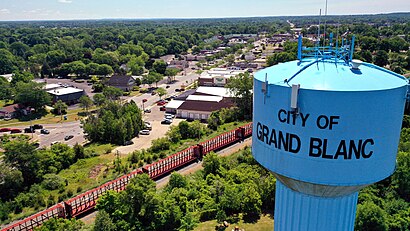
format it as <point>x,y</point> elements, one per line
<point>326,126</point>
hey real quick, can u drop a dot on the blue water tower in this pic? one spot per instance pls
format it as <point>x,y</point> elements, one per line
<point>326,126</point>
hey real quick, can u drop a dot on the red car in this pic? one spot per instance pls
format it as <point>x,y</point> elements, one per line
<point>5,129</point>
<point>144,100</point>
<point>162,108</point>
<point>15,130</point>
<point>161,103</point>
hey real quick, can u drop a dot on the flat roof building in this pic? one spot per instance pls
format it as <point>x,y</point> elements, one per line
<point>69,95</point>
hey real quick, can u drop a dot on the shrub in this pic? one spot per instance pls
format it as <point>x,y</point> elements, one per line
<point>52,182</point>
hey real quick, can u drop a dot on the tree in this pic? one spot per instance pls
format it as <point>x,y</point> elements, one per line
<point>24,77</point>
<point>99,99</point>
<point>381,58</point>
<point>152,77</point>
<point>104,70</point>
<point>240,87</point>
<point>161,92</point>
<point>6,90</point>
<point>12,181</point>
<point>85,102</point>
<point>279,58</point>
<point>370,217</point>
<point>159,66</point>
<point>112,93</point>
<point>401,178</point>
<point>103,222</point>
<point>211,164</point>
<point>32,95</point>
<point>60,224</point>
<point>230,59</point>
<point>171,73</point>
<point>79,151</point>
<point>22,155</point>
<point>7,62</point>
<point>60,108</point>
<point>177,181</point>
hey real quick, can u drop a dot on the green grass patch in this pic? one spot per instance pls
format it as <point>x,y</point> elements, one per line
<point>72,115</point>
<point>265,223</point>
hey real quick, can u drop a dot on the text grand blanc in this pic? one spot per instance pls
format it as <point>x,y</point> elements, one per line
<point>318,147</point>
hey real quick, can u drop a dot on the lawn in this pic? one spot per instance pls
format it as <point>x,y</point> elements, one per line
<point>72,115</point>
<point>265,223</point>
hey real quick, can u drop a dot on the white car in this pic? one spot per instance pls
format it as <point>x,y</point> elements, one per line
<point>169,115</point>
<point>144,132</point>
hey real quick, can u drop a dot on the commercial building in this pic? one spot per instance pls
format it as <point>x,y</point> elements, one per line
<point>200,103</point>
<point>69,95</point>
<point>217,77</point>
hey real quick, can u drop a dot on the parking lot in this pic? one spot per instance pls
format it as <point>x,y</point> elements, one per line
<point>158,130</point>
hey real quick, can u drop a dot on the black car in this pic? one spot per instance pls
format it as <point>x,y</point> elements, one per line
<point>44,131</point>
<point>129,142</point>
<point>38,126</point>
<point>29,130</point>
<point>166,121</point>
<point>147,110</point>
<point>68,137</point>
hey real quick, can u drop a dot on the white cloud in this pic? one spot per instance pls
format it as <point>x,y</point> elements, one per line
<point>4,11</point>
<point>65,1</point>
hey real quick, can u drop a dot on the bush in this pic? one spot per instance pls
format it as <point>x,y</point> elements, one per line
<point>79,189</point>
<point>70,193</point>
<point>52,182</point>
<point>160,144</point>
<point>143,90</point>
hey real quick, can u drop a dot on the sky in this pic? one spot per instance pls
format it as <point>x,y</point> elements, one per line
<point>11,10</point>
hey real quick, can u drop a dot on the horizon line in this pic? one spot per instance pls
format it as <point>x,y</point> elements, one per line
<point>193,18</point>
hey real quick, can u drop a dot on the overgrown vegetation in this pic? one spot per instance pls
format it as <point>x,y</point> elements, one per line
<point>114,123</point>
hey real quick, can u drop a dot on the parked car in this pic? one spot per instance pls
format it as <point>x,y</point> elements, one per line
<point>38,126</point>
<point>68,137</point>
<point>172,97</point>
<point>161,103</point>
<point>166,121</point>
<point>55,142</point>
<point>15,130</point>
<point>153,93</point>
<point>129,142</point>
<point>169,115</point>
<point>177,90</point>
<point>147,110</point>
<point>29,130</point>
<point>144,100</point>
<point>162,108</point>
<point>144,132</point>
<point>44,131</point>
<point>147,126</point>
<point>167,86</point>
<point>5,129</point>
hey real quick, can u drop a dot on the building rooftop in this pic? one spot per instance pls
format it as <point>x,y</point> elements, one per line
<point>204,98</point>
<point>174,104</point>
<point>65,91</point>
<point>216,91</point>
<point>207,106</point>
<point>119,80</point>
<point>51,86</point>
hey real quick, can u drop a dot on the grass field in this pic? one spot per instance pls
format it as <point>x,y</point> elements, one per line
<point>72,115</point>
<point>265,223</point>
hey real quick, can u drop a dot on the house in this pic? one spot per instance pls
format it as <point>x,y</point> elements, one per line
<point>12,111</point>
<point>69,95</point>
<point>123,82</point>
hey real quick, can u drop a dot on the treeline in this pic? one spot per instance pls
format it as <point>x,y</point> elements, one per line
<point>26,172</point>
<point>114,123</point>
